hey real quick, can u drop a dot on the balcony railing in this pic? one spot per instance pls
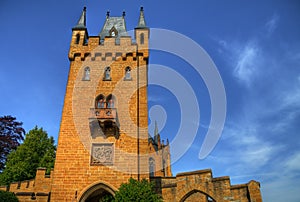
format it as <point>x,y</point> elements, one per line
<point>104,113</point>
<point>106,119</point>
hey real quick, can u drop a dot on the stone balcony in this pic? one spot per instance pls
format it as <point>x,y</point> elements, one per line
<point>104,122</point>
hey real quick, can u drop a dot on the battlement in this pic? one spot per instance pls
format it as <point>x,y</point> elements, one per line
<point>200,184</point>
<point>38,188</point>
<point>108,50</point>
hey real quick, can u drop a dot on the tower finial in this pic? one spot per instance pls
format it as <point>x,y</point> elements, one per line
<point>142,23</point>
<point>124,13</point>
<point>81,24</point>
<point>107,14</point>
<point>156,133</point>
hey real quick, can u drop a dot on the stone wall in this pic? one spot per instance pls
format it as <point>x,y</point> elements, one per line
<point>202,186</point>
<point>37,189</point>
<point>74,171</point>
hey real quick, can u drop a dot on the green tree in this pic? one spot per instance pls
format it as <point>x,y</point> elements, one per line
<point>37,150</point>
<point>11,134</point>
<point>6,196</point>
<point>135,190</point>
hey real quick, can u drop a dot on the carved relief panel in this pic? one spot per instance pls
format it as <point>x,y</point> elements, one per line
<point>102,154</point>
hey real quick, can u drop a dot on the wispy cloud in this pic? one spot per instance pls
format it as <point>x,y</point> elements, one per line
<point>293,163</point>
<point>271,24</point>
<point>248,60</point>
<point>248,150</point>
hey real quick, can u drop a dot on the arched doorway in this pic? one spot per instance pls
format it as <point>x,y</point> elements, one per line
<point>98,193</point>
<point>197,195</point>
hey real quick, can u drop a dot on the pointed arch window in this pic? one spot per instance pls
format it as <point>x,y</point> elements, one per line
<point>113,32</point>
<point>86,76</point>
<point>110,101</point>
<point>100,101</point>
<point>77,39</point>
<point>127,73</point>
<point>142,38</point>
<point>164,167</point>
<point>107,74</point>
<point>151,167</point>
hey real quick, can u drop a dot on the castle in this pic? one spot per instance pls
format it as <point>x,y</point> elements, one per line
<point>104,138</point>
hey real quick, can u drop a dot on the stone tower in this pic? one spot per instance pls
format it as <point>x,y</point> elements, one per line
<point>103,138</point>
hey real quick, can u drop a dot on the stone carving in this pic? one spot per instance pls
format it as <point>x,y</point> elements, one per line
<point>102,154</point>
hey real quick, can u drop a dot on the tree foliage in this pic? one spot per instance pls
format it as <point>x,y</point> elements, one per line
<point>38,150</point>
<point>6,196</point>
<point>135,190</point>
<point>11,134</point>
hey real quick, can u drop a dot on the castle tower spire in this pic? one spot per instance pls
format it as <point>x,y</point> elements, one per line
<point>155,129</point>
<point>156,134</point>
<point>142,23</point>
<point>81,24</point>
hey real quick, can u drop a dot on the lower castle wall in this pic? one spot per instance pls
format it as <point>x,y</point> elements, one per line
<point>37,190</point>
<point>201,186</point>
<point>185,187</point>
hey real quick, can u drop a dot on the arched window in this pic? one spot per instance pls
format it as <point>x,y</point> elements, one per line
<point>151,167</point>
<point>77,38</point>
<point>127,73</point>
<point>86,75</point>
<point>110,101</point>
<point>100,101</point>
<point>142,38</point>
<point>164,167</point>
<point>107,74</point>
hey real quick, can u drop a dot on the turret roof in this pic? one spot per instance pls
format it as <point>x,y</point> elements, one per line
<point>117,23</point>
<point>81,24</point>
<point>142,22</point>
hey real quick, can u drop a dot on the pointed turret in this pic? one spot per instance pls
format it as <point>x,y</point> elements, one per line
<point>80,34</point>
<point>155,129</point>
<point>142,34</point>
<point>142,23</point>
<point>81,24</point>
<point>156,135</point>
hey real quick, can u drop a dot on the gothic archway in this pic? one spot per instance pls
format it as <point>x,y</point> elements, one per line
<point>97,193</point>
<point>197,195</point>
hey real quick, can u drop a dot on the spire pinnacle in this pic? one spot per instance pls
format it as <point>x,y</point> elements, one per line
<point>81,24</point>
<point>156,133</point>
<point>142,23</point>
<point>155,129</point>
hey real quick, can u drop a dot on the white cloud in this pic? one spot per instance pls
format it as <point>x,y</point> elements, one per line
<point>281,188</point>
<point>291,97</point>
<point>247,63</point>
<point>271,24</point>
<point>247,150</point>
<point>293,163</point>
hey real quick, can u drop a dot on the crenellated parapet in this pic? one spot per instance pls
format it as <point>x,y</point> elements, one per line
<point>108,49</point>
<point>36,189</point>
<point>202,186</point>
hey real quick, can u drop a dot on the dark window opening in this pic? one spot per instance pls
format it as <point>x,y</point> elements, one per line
<point>107,74</point>
<point>128,73</point>
<point>77,38</point>
<point>110,101</point>
<point>151,167</point>
<point>100,101</point>
<point>142,38</point>
<point>86,75</point>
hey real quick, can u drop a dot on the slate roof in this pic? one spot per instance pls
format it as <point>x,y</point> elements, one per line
<point>142,22</point>
<point>81,24</point>
<point>118,23</point>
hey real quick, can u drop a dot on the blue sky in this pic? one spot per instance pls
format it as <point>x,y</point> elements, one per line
<point>254,44</point>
